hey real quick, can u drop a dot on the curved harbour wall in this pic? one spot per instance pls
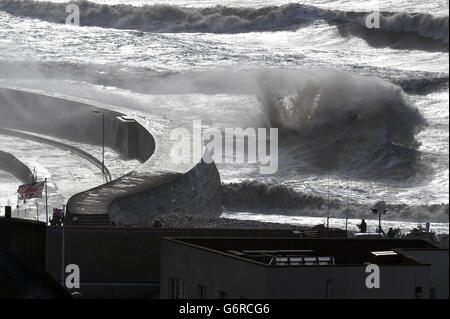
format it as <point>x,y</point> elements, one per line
<point>155,187</point>
<point>196,191</point>
<point>73,120</point>
<point>9,163</point>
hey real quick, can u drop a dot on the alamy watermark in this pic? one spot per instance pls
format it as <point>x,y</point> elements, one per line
<point>373,277</point>
<point>226,147</point>
<point>373,20</point>
<point>74,14</point>
<point>73,278</point>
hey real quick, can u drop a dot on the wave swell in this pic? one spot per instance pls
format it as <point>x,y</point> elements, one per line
<point>422,24</point>
<point>160,18</point>
<point>222,19</point>
<point>271,198</point>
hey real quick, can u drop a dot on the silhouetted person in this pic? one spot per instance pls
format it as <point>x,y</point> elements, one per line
<point>391,233</point>
<point>363,226</point>
<point>56,220</point>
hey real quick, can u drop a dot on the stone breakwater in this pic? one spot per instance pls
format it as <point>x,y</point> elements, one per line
<point>174,220</point>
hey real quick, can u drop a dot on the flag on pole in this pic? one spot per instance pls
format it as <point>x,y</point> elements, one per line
<point>29,191</point>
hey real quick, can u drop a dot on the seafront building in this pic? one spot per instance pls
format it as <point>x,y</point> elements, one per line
<point>158,262</point>
<point>301,268</point>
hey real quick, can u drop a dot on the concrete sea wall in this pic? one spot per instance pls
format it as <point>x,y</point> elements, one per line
<point>154,188</point>
<point>73,120</point>
<point>198,190</point>
<point>9,163</point>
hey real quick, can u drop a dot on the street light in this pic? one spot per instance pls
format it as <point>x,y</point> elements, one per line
<point>103,140</point>
<point>375,211</point>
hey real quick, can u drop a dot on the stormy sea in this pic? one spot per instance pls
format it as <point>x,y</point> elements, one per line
<point>362,113</point>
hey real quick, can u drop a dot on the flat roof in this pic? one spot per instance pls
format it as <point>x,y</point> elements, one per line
<point>284,252</point>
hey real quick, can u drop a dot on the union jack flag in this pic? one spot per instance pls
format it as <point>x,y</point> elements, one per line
<point>29,191</point>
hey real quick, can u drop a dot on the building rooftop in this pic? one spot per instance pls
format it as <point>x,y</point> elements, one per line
<point>310,252</point>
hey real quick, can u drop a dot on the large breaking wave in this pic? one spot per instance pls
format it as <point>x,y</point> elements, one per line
<point>336,120</point>
<point>328,119</point>
<point>221,19</point>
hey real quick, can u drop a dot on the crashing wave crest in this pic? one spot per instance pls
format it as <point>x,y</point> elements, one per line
<point>222,19</point>
<point>423,24</point>
<point>338,120</point>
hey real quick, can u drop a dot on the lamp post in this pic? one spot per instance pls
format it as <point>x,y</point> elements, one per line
<point>103,140</point>
<point>376,211</point>
<point>328,203</point>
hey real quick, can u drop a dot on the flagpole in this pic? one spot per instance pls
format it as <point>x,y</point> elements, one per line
<point>46,202</point>
<point>63,244</point>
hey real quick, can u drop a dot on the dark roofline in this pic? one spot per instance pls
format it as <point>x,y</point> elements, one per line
<point>432,245</point>
<point>438,247</point>
<point>21,220</point>
<point>125,228</point>
<point>179,240</point>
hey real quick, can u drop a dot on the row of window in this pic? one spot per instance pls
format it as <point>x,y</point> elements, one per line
<point>176,290</point>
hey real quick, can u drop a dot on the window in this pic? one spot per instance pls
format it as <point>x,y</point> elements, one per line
<point>176,288</point>
<point>201,292</point>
